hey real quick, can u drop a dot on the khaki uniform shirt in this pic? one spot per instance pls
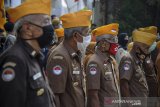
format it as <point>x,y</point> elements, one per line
<point>131,69</point>
<point>66,76</point>
<point>101,75</point>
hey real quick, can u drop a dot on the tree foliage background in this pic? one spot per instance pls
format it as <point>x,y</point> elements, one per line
<point>132,14</point>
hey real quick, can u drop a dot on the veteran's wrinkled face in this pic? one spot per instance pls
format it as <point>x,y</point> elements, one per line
<point>35,24</point>
<point>141,50</point>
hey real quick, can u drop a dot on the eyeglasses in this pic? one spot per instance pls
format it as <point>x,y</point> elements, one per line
<point>112,39</point>
<point>85,32</point>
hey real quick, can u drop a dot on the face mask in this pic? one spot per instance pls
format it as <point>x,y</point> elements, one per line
<point>141,54</point>
<point>47,38</point>
<point>113,48</point>
<point>82,46</point>
<point>152,47</point>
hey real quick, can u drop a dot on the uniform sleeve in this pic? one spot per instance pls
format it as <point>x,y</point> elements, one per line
<point>125,68</point>
<point>92,76</point>
<point>57,69</point>
<point>12,83</point>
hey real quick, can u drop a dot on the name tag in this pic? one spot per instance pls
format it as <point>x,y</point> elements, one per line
<point>148,61</point>
<point>36,76</point>
<point>76,72</point>
<point>107,73</point>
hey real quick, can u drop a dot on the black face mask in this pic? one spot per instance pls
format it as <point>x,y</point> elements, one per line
<point>142,55</point>
<point>46,38</point>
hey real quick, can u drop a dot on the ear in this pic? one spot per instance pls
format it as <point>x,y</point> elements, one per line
<point>75,36</point>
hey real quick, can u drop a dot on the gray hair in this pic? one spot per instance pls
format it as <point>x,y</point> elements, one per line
<point>21,21</point>
<point>108,37</point>
<point>68,32</point>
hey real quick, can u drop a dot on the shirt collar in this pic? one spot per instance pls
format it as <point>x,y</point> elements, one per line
<point>103,56</point>
<point>135,57</point>
<point>71,51</point>
<point>32,52</point>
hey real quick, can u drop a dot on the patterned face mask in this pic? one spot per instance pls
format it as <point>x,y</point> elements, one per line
<point>82,46</point>
<point>113,48</point>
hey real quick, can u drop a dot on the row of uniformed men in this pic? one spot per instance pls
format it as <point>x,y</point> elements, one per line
<point>136,69</point>
<point>24,84</point>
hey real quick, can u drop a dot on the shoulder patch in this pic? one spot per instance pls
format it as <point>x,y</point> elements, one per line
<point>126,67</point>
<point>57,70</point>
<point>93,70</point>
<point>8,74</point>
<point>11,64</point>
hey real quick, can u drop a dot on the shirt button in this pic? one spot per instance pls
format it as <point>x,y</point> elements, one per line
<point>40,92</point>
<point>75,83</point>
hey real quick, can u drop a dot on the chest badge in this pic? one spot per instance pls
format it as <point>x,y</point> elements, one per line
<point>75,84</point>
<point>148,61</point>
<point>40,92</point>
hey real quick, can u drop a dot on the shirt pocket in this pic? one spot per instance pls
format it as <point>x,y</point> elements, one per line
<point>76,76</point>
<point>36,81</point>
<point>108,76</point>
<point>139,73</point>
<point>141,77</point>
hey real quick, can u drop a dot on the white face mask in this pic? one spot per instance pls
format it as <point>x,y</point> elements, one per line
<point>152,47</point>
<point>82,46</point>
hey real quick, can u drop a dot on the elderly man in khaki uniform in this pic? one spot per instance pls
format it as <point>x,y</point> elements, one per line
<point>102,82</point>
<point>132,75</point>
<point>23,82</point>
<point>149,67</point>
<point>64,63</point>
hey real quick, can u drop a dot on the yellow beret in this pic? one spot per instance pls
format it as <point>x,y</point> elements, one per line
<point>111,29</point>
<point>30,7</point>
<point>2,22</point>
<point>129,46</point>
<point>59,32</point>
<point>143,37</point>
<point>158,44</point>
<point>77,19</point>
<point>150,29</point>
<point>2,15</point>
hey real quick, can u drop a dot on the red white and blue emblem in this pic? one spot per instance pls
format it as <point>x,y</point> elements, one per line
<point>126,67</point>
<point>93,71</point>
<point>57,70</point>
<point>8,74</point>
